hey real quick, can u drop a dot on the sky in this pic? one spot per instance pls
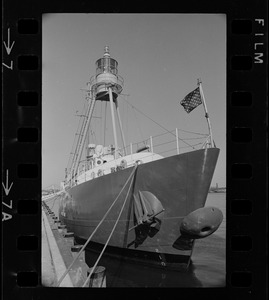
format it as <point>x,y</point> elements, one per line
<point>160,57</point>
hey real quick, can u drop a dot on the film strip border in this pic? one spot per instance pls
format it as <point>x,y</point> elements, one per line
<point>245,133</point>
<point>246,136</point>
<point>21,156</point>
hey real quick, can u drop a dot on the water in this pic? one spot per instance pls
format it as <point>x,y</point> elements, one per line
<point>210,253</point>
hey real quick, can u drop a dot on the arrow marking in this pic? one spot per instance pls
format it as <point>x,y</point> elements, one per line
<point>9,67</point>
<point>7,46</point>
<point>6,188</point>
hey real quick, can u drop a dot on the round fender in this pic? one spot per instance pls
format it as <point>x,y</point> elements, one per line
<point>201,223</point>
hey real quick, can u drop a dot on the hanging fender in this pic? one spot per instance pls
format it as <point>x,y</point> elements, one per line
<point>147,207</point>
<point>201,223</point>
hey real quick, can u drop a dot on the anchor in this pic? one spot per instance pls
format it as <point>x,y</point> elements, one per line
<point>146,209</point>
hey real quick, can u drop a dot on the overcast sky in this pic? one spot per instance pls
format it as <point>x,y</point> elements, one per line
<point>160,57</point>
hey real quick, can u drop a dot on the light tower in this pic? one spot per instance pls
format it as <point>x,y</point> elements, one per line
<point>106,77</point>
<point>106,85</point>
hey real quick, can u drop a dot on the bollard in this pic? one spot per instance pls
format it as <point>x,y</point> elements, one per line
<point>98,277</point>
<point>68,234</point>
<point>61,226</point>
<point>76,248</point>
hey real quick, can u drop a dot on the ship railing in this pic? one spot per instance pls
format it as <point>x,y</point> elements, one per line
<point>93,81</point>
<point>170,143</point>
<point>165,144</point>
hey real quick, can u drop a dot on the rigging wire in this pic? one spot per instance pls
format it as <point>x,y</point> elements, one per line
<point>76,138</point>
<point>139,128</point>
<point>203,134</point>
<point>73,145</point>
<point>80,137</point>
<point>125,119</point>
<point>156,122</point>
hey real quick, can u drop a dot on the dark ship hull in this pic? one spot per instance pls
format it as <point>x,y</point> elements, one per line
<point>180,182</point>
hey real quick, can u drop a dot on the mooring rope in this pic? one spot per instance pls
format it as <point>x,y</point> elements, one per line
<point>88,240</point>
<point>112,231</point>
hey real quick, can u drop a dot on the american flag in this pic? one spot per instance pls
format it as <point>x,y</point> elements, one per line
<point>192,100</point>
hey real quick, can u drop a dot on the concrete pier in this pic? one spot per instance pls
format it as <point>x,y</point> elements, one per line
<point>57,255</point>
<point>48,272</point>
<point>53,265</point>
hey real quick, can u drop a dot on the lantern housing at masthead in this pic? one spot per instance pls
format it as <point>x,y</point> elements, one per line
<point>106,76</point>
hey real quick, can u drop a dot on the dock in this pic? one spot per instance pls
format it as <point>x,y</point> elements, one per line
<point>58,252</point>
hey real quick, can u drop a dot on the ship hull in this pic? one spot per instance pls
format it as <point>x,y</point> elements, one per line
<point>181,183</point>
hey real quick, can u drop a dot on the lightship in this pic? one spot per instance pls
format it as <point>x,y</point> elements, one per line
<point>137,203</point>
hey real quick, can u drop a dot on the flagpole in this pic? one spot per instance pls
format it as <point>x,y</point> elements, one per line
<point>206,112</point>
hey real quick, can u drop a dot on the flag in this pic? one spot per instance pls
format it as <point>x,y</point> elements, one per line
<point>192,100</point>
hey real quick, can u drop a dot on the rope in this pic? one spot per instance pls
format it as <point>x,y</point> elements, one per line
<point>112,231</point>
<point>84,246</point>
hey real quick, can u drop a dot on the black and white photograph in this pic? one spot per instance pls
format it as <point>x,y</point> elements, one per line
<point>133,150</point>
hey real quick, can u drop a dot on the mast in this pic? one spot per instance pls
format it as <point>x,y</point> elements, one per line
<point>121,130</point>
<point>113,121</point>
<point>206,112</point>
<point>106,86</point>
<point>80,138</point>
<point>84,135</point>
